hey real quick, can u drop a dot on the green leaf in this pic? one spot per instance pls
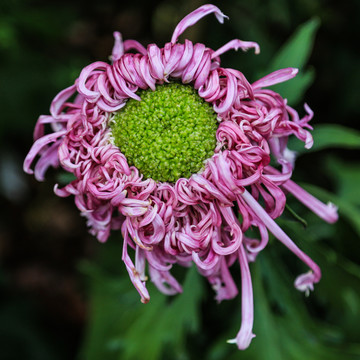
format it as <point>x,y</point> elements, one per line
<point>347,179</point>
<point>121,327</point>
<point>112,308</point>
<point>329,136</point>
<point>339,287</point>
<point>161,324</point>
<point>295,53</point>
<point>284,327</point>
<point>350,211</point>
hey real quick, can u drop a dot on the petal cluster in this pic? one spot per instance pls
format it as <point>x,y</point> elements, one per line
<point>196,219</point>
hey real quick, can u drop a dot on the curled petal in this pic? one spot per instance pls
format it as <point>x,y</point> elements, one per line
<point>134,45</point>
<point>59,100</point>
<point>224,284</point>
<point>275,77</point>
<point>176,53</point>
<point>327,212</point>
<point>38,146</point>
<point>187,54</point>
<point>145,73</point>
<point>156,65</point>
<point>305,282</point>
<point>133,273</point>
<point>118,49</point>
<point>208,263</point>
<point>245,335</point>
<point>48,158</point>
<point>164,281</point>
<point>189,72</point>
<point>187,241</point>
<point>194,17</point>
<point>199,183</point>
<point>203,71</point>
<point>157,260</point>
<point>281,236</point>
<point>211,87</point>
<point>149,217</point>
<point>158,232</point>
<point>93,69</point>
<point>133,207</point>
<point>255,246</point>
<point>231,93</point>
<point>236,44</point>
<point>140,262</point>
<point>67,190</point>
<point>127,88</point>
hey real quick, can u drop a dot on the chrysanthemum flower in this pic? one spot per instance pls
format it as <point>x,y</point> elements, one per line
<point>175,150</point>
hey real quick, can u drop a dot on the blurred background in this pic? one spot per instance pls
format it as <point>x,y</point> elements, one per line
<point>64,296</point>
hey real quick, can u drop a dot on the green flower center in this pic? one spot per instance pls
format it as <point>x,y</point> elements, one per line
<point>168,134</point>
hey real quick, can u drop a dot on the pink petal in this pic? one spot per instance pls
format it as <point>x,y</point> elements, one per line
<point>194,17</point>
<point>236,44</point>
<point>280,235</point>
<point>245,335</point>
<point>38,146</point>
<point>327,212</point>
<point>275,77</point>
<point>118,49</point>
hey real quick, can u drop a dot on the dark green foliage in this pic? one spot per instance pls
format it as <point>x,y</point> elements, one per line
<point>121,327</point>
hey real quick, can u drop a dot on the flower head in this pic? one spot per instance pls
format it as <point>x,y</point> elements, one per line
<point>168,146</point>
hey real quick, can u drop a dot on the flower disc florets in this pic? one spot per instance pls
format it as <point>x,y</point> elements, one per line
<point>170,214</point>
<point>168,134</point>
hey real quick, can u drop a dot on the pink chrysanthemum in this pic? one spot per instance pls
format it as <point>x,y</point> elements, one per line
<point>176,203</point>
